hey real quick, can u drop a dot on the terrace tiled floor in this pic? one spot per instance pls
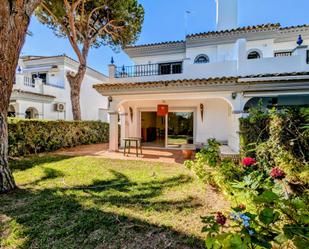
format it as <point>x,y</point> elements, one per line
<point>101,150</point>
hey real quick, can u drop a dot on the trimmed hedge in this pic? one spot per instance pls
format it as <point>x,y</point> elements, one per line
<point>34,136</point>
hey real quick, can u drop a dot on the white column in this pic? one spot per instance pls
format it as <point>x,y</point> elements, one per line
<point>301,51</point>
<point>233,140</point>
<point>111,71</point>
<point>113,131</point>
<point>123,124</point>
<point>113,126</point>
<point>236,112</point>
<point>240,55</point>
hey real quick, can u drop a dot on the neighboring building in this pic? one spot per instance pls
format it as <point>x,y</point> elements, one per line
<point>42,90</point>
<point>207,82</point>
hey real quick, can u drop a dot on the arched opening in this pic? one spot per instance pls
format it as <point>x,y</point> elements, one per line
<point>31,113</point>
<point>279,102</point>
<point>11,112</point>
<point>201,59</point>
<point>254,55</point>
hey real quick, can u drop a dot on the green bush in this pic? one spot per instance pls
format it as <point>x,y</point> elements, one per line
<point>269,191</point>
<point>205,159</point>
<point>34,136</point>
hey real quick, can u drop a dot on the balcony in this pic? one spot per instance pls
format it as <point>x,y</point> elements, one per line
<point>26,83</point>
<point>149,70</point>
<point>295,61</point>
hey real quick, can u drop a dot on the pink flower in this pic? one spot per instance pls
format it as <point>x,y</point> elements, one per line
<point>277,173</point>
<point>220,218</point>
<point>248,161</point>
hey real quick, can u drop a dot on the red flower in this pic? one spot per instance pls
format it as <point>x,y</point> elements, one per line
<point>248,161</point>
<point>277,173</point>
<point>220,218</point>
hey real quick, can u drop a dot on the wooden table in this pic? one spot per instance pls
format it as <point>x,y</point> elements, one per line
<point>127,144</point>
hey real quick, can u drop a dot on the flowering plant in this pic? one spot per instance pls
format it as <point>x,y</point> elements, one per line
<point>242,229</point>
<point>248,161</point>
<point>220,218</point>
<point>277,173</point>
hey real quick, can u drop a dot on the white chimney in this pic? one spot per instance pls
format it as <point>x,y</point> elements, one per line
<point>227,14</point>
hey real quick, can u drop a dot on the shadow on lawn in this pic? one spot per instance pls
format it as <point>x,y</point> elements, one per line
<point>67,218</point>
<point>24,163</point>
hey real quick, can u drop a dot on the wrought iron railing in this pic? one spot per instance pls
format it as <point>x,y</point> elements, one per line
<point>148,70</point>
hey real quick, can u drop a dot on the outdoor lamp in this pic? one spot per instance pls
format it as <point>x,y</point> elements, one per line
<point>202,111</point>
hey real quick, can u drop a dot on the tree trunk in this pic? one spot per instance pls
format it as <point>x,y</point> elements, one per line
<point>14,22</point>
<point>7,182</point>
<point>75,82</point>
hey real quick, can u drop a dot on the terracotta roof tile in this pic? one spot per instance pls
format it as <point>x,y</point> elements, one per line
<point>240,30</point>
<point>263,27</point>
<point>155,44</point>
<point>193,82</point>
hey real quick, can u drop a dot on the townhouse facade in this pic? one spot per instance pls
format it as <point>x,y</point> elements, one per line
<point>42,90</point>
<point>189,91</point>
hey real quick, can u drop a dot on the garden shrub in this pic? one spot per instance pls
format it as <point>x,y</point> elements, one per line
<point>270,191</point>
<point>205,159</point>
<point>34,136</point>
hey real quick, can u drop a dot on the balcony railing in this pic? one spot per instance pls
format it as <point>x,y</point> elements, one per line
<point>148,70</point>
<point>28,82</point>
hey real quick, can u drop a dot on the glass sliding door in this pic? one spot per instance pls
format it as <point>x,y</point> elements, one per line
<point>180,129</point>
<point>152,129</point>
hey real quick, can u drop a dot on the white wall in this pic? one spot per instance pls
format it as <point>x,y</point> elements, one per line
<point>214,125</point>
<point>91,100</point>
<point>158,58</point>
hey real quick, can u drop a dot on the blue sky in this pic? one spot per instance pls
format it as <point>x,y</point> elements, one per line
<point>165,21</point>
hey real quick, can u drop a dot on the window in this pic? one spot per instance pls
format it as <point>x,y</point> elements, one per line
<point>254,55</point>
<point>202,58</point>
<point>170,68</point>
<point>283,53</point>
<point>42,76</point>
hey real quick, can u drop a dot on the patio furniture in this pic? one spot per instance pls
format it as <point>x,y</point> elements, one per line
<point>127,144</point>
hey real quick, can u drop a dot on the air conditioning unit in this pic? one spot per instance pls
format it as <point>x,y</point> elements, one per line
<point>60,107</point>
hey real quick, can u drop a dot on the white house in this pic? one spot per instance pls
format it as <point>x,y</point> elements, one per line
<point>207,82</point>
<point>42,90</point>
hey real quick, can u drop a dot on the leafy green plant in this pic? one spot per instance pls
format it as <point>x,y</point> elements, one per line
<point>272,181</point>
<point>34,136</point>
<point>206,159</point>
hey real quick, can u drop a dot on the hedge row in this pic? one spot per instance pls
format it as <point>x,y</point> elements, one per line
<point>34,136</point>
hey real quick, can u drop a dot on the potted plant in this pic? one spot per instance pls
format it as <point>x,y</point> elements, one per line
<point>187,151</point>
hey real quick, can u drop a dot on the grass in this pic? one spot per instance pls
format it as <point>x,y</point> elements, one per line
<point>88,202</point>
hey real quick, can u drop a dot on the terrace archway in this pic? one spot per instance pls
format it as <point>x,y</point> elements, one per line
<point>31,113</point>
<point>11,112</point>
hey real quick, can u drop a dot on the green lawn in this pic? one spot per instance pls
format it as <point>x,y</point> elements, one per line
<point>88,202</point>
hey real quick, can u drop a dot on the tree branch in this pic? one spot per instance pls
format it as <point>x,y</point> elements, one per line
<point>66,30</point>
